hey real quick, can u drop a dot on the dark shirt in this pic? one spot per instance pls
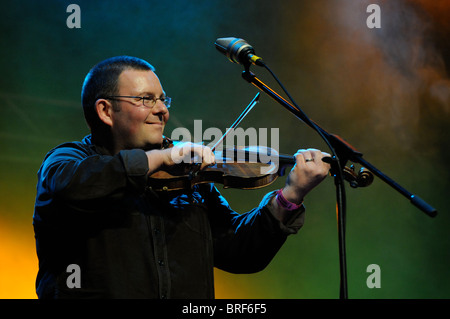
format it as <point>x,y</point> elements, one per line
<point>97,211</point>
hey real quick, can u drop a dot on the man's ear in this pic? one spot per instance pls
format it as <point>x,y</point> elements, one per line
<point>104,110</point>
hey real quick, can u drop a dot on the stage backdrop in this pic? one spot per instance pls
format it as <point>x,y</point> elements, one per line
<point>375,75</point>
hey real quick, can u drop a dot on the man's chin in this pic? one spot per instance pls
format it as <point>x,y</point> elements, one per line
<point>153,145</point>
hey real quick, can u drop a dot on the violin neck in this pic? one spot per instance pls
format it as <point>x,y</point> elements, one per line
<point>246,155</point>
<point>286,159</point>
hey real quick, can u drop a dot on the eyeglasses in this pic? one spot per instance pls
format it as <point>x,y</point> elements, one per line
<point>147,101</point>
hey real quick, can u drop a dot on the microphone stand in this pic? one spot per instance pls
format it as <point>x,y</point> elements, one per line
<point>342,152</point>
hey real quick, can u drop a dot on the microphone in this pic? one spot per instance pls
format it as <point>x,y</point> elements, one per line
<point>238,51</point>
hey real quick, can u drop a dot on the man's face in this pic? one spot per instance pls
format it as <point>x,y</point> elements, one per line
<point>134,125</point>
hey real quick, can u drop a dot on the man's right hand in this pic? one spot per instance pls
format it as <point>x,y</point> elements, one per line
<point>181,153</point>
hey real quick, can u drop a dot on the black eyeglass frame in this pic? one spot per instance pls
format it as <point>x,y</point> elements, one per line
<point>165,99</point>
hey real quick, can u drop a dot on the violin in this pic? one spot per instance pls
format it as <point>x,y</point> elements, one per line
<point>235,168</point>
<point>241,168</point>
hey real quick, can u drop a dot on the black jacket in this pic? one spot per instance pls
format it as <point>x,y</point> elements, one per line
<point>95,210</point>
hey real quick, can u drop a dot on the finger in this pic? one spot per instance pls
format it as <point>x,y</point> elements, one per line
<point>323,158</point>
<point>317,154</point>
<point>319,159</point>
<point>208,157</point>
<point>181,153</point>
<point>203,156</point>
<point>196,152</point>
<point>304,156</point>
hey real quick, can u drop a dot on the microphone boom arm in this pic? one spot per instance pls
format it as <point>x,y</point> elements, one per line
<point>345,150</point>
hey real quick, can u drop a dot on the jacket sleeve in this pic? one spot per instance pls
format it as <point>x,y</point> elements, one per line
<point>75,176</point>
<point>246,243</point>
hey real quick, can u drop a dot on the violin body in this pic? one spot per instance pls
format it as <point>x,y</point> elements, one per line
<point>235,168</point>
<point>234,175</point>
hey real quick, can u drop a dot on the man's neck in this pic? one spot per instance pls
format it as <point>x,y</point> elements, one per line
<point>105,141</point>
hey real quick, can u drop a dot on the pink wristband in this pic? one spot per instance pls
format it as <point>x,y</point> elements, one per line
<point>283,202</point>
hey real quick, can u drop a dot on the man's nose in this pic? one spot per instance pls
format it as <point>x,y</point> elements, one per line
<point>160,108</point>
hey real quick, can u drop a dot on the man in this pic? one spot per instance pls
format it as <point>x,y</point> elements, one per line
<point>102,232</point>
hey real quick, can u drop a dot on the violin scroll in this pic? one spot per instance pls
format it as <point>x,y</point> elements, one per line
<point>361,179</point>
